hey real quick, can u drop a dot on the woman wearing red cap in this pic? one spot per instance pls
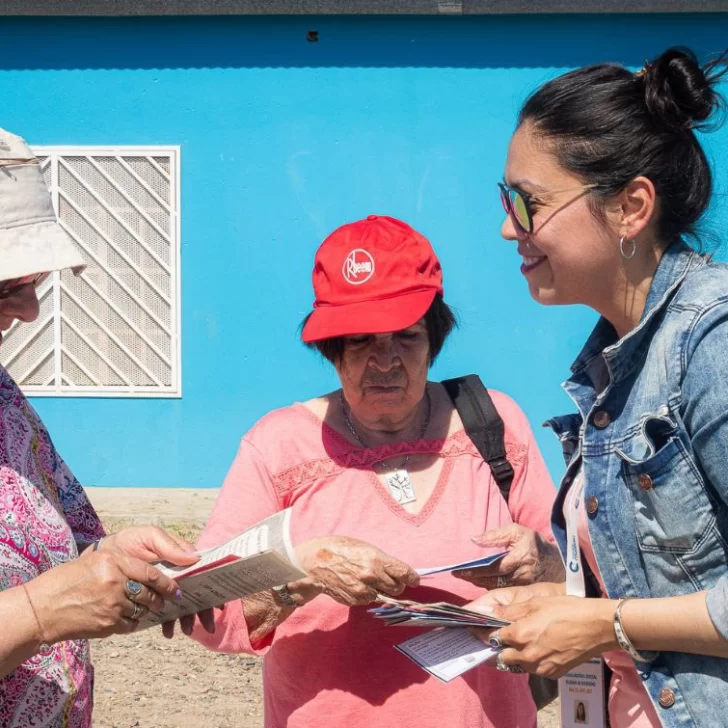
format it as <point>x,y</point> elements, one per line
<point>381,478</point>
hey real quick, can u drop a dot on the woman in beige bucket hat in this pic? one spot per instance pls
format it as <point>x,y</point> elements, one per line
<point>61,579</point>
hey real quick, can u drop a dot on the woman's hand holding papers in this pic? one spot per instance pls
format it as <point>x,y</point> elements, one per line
<point>89,596</point>
<point>530,559</point>
<point>550,633</point>
<point>350,571</point>
<point>150,543</point>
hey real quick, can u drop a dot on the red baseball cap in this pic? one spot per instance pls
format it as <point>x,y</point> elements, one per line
<point>370,277</point>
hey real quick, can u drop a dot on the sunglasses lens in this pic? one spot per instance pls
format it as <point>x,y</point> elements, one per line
<point>505,201</point>
<point>520,211</point>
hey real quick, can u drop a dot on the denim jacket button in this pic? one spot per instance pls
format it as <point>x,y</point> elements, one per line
<point>666,698</point>
<point>601,419</point>
<point>645,482</point>
<point>592,505</point>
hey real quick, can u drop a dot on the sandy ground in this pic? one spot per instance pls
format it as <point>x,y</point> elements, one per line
<point>146,681</point>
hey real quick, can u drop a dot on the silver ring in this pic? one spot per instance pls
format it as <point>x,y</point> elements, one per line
<point>133,589</point>
<point>496,642</point>
<point>139,611</point>
<point>285,595</point>
<point>501,582</point>
<point>500,665</point>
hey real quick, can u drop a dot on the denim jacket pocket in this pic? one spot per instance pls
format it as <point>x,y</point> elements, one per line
<point>672,509</point>
<point>674,519</point>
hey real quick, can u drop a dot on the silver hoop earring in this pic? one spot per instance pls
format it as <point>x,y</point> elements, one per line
<point>632,251</point>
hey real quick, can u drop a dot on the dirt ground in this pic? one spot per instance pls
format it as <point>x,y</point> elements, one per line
<point>146,681</point>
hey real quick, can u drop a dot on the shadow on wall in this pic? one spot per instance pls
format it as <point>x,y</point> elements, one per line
<point>541,41</point>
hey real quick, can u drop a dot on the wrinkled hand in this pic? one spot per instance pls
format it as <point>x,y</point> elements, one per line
<point>150,543</point>
<point>350,571</point>
<point>530,559</point>
<point>86,597</point>
<point>551,635</point>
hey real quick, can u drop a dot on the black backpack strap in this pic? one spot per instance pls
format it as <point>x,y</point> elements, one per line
<point>486,429</point>
<point>483,425</point>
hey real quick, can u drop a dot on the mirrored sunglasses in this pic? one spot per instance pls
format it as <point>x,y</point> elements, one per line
<point>517,204</point>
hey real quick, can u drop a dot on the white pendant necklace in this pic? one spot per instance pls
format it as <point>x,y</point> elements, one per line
<point>398,481</point>
<point>400,485</point>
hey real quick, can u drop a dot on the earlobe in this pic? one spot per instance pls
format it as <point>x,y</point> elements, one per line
<point>638,207</point>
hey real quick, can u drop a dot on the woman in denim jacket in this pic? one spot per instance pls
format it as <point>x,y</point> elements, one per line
<point>605,180</point>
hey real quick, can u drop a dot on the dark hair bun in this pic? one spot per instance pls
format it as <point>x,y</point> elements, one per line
<point>679,93</point>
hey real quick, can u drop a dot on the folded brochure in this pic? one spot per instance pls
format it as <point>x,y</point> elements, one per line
<point>259,558</point>
<point>472,564</point>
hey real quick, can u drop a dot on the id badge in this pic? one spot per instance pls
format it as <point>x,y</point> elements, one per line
<point>582,696</point>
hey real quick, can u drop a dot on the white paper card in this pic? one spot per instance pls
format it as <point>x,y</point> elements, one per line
<point>582,696</point>
<point>472,564</point>
<point>447,653</point>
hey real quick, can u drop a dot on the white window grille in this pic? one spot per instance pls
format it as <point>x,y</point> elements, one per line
<point>114,330</point>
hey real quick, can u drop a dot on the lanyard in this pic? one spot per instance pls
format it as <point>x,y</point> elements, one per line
<point>575,585</point>
<point>582,689</point>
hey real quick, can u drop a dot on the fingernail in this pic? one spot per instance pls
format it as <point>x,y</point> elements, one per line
<point>178,595</point>
<point>464,572</point>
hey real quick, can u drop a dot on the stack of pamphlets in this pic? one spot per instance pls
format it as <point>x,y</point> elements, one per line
<point>403,613</point>
<point>450,650</point>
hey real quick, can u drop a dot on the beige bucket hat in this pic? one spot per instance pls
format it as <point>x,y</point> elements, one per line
<point>31,240</point>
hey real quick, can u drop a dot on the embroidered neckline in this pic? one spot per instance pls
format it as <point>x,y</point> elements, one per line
<point>343,455</point>
<point>456,443</point>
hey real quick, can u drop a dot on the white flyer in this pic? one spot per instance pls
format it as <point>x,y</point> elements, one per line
<point>471,564</point>
<point>447,653</point>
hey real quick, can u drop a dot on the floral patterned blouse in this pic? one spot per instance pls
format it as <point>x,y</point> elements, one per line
<point>44,515</point>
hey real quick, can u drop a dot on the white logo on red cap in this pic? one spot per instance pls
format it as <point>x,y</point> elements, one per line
<point>358,267</point>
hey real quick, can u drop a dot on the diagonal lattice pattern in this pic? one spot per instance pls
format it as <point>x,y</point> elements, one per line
<point>113,329</point>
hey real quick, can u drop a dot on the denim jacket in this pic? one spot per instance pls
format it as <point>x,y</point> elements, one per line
<point>651,436</point>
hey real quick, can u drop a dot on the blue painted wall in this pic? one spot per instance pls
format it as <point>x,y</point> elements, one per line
<point>283,140</point>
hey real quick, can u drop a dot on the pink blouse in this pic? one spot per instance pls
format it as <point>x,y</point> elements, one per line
<point>329,665</point>
<point>44,514</point>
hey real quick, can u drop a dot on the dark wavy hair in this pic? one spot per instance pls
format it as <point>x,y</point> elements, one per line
<point>608,125</point>
<point>439,322</point>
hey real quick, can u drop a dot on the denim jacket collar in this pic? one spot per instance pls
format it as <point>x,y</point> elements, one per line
<point>621,355</point>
